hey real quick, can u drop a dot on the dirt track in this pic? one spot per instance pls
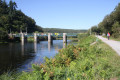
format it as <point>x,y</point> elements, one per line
<point>114,44</point>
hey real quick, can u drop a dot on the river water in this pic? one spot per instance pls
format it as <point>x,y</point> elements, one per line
<point>19,57</point>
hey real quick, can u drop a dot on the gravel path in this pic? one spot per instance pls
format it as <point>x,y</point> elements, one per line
<point>114,44</point>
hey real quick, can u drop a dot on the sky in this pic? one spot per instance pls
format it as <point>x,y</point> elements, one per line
<point>67,14</point>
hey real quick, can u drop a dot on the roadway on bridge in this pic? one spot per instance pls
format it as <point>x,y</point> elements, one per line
<point>114,44</point>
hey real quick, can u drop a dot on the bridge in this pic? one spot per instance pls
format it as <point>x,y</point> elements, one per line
<point>44,34</point>
<point>36,36</point>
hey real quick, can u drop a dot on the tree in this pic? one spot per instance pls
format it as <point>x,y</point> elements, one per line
<point>15,20</point>
<point>12,9</point>
<point>1,3</point>
<point>3,35</point>
<point>111,22</point>
<point>116,29</point>
<point>94,29</point>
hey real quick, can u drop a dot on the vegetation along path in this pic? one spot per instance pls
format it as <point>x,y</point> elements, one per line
<point>114,44</point>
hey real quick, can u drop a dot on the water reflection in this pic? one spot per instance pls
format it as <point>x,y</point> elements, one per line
<point>49,46</point>
<point>10,47</point>
<point>22,55</point>
<point>22,42</point>
<point>22,49</point>
<point>35,47</point>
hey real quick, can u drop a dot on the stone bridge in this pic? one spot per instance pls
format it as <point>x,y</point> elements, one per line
<point>36,36</point>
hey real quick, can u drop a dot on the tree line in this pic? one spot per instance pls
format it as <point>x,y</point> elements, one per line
<point>57,30</point>
<point>13,20</point>
<point>110,23</point>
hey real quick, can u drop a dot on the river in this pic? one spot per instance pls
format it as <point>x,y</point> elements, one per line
<point>19,57</point>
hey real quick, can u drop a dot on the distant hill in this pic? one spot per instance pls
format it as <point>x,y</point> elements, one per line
<point>58,30</point>
<point>14,21</point>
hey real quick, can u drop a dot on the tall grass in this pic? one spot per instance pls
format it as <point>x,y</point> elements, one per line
<point>80,62</point>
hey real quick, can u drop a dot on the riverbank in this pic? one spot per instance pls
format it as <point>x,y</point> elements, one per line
<point>81,62</point>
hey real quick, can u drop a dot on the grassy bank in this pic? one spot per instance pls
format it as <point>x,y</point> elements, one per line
<point>81,62</point>
<point>112,38</point>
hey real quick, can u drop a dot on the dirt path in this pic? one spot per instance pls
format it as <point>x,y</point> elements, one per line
<point>114,44</point>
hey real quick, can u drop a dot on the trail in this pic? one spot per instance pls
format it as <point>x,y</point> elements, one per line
<point>114,44</point>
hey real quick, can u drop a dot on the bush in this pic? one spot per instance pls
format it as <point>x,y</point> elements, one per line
<point>3,36</point>
<point>80,62</point>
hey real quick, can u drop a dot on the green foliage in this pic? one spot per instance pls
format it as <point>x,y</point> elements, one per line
<point>116,29</point>
<point>3,35</point>
<point>57,30</point>
<point>111,23</point>
<point>80,62</point>
<point>15,20</point>
<point>95,30</point>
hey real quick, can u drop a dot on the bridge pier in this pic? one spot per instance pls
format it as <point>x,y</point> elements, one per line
<point>10,35</point>
<point>64,37</point>
<point>23,38</point>
<point>50,38</point>
<point>36,38</point>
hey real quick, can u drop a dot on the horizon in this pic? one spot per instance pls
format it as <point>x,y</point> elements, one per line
<point>68,29</point>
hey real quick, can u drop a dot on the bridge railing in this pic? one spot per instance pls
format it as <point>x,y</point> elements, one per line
<point>45,34</point>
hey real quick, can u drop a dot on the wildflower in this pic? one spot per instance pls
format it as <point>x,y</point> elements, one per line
<point>68,78</point>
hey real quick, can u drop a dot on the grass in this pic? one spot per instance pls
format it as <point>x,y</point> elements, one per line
<point>79,62</point>
<point>112,38</point>
<point>30,39</point>
<point>113,59</point>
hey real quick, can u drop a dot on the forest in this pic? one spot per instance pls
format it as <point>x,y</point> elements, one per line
<point>15,21</point>
<point>58,30</point>
<point>110,23</point>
